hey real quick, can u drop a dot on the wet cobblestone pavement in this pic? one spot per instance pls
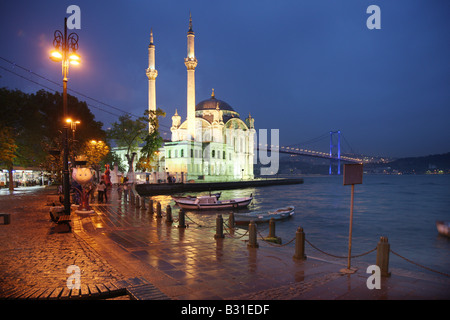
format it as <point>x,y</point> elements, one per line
<point>121,241</point>
<point>32,255</point>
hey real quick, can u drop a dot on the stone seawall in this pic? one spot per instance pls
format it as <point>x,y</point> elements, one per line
<point>173,188</point>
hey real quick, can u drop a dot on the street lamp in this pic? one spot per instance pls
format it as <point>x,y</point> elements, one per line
<point>73,126</point>
<point>65,52</point>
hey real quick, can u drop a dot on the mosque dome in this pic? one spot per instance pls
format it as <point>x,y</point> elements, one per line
<point>212,104</point>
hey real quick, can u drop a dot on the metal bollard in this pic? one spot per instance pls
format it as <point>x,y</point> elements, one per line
<point>143,203</point>
<point>158,210</point>
<point>169,219</point>
<point>252,242</point>
<point>150,207</point>
<point>383,248</point>
<point>181,223</point>
<point>299,245</point>
<point>219,227</point>
<point>272,228</point>
<point>272,237</point>
<point>138,201</point>
<point>231,220</point>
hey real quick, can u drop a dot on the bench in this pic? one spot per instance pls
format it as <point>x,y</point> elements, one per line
<point>55,212</point>
<point>63,219</point>
<point>6,218</point>
<point>63,224</point>
<point>53,200</point>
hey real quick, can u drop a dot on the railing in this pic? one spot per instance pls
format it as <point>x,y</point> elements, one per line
<point>382,248</point>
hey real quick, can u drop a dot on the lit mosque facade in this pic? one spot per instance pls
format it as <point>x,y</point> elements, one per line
<point>213,143</point>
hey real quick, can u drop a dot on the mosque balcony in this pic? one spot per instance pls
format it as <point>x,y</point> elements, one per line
<point>191,63</point>
<point>151,74</point>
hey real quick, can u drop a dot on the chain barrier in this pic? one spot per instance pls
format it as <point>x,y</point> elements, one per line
<point>228,229</point>
<point>195,222</point>
<point>234,229</point>
<point>340,257</point>
<point>274,244</point>
<point>419,265</point>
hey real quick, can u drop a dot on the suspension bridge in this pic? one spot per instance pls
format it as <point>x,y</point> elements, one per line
<point>334,154</point>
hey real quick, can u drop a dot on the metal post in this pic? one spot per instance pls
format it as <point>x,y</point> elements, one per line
<point>299,245</point>
<point>66,179</point>
<point>383,249</point>
<point>131,198</point>
<point>169,219</point>
<point>350,229</point>
<point>252,242</point>
<point>138,201</point>
<point>150,207</point>
<point>219,227</point>
<point>231,220</point>
<point>143,203</point>
<point>331,151</point>
<point>272,228</point>
<point>158,210</point>
<point>339,153</point>
<point>181,223</point>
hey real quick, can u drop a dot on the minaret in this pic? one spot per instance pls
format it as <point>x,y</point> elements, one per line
<point>191,63</point>
<point>151,74</point>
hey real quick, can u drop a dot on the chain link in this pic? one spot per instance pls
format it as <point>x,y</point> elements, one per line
<point>340,257</point>
<point>419,265</point>
<point>228,228</point>
<point>275,244</point>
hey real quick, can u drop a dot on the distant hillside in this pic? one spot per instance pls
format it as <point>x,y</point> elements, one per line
<point>420,165</point>
<point>439,163</point>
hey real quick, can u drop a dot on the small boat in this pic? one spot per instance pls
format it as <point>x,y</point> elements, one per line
<point>443,228</point>
<point>212,202</point>
<point>277,214</point>
<point>189,197</point>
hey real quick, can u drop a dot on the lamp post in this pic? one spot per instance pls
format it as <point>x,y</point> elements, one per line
<point>73,126</point>
<point>65,52</point>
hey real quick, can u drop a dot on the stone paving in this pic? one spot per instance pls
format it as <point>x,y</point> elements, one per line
<point>33,256</point>
<point>120,241</point>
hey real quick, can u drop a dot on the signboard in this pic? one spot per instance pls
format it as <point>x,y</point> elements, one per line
<point>353,174</point>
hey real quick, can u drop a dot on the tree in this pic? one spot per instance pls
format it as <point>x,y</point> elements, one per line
<point>113,159</point>
<point>8,149</point>
<point>153,141</point>
<point>95,152</point>
<point>129,134</point>
<point>37,121</point>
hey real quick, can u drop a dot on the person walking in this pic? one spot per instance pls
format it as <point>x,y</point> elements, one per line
<point>101,187</point>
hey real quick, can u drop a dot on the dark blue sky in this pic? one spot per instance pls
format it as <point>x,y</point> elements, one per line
<point>304,67</point>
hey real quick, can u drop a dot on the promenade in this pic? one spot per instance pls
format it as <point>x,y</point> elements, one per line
<point>120,242</point>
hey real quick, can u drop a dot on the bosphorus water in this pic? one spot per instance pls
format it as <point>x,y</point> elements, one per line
<point>403,208</point>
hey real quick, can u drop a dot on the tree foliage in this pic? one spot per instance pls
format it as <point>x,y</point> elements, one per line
<point>37,121</point>
<point>131,134</point>
<point>8,149</point>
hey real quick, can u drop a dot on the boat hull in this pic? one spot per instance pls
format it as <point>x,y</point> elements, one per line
<point>259,217</point>
<point>214,206</point>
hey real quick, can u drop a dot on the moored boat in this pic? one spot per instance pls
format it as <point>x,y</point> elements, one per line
<point>212,202</point>
<point>258,217</point>
<point>189,197</point>
<point>443,228</point>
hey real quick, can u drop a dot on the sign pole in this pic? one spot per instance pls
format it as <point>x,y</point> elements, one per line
<point>350,228</point>
<point>353,174</point>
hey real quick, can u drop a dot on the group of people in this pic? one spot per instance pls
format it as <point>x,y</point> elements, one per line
<point>102,188</point>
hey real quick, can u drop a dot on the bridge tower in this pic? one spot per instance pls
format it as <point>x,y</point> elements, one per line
<point>335,151</point>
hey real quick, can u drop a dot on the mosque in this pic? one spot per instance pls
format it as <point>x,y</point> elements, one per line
<point>213,143</point>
